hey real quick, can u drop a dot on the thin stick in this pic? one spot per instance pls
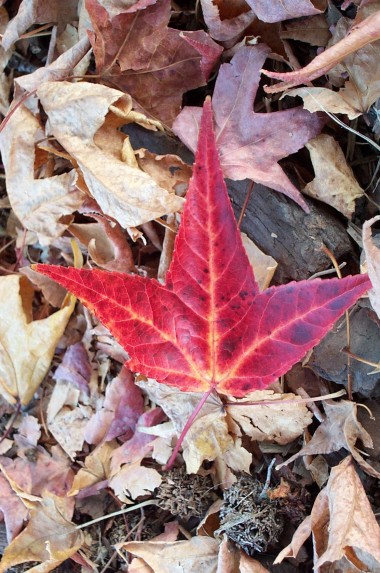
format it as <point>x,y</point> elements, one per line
<point>245,204</point>
<point>186,428</point>
<point>339,274</point>
<point>120,512</point>
<point>337,394</point>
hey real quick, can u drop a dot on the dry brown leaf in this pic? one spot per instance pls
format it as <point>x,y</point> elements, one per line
<point>77,118</point>
<point>32,12</point>
<point>277,422</point>
<point>49,537</point>
<point>314,30</point>
<point>168,171</point>
<point>53,292</point>
<point>342,524</point>
<point>197,554</point>
<point>97,466</point>
<point>334,181</point>
<point>208,437</point>
<point>67,418</point>
<point>372,253</point>
<point>26,346</point>
<point>361,34</point>
<point>323,99</point>
<point>264,266</point>
<point>340,429</point>
<point>38,203</point>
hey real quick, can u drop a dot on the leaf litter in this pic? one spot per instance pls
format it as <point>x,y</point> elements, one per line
<point>199,412</point>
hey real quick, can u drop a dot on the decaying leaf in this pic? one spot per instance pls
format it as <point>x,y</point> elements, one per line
<point>343,526</point>
<point>372,253</point>
<point>145,58</point>
<point>39,203</point>
<point>78,120</point>
<point>209,329</point>
<point>340,429</point>
<point>250,144</point>
<point>360,34</point>
<point>279,10</point>
<point>334,181</point>
<point>49,537</point>
<point>225,29</point>
<point>281,423</point>
<point>26,345</point>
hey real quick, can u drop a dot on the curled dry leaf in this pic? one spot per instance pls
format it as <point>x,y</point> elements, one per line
<point>342,524</point>
<point>250,144</point>
<point>281,423</point>
<point>208,438</point>
<point>225,29</point>
<point>96,469</point>
<point>26,345</point>
<point>49,537</point>
<point>372,253</point>
<point>334,181</point>
<point>278,10</point>
<point>30,12</point>
<point>361,34</point>
<point>39,203</point>
<point>263,265</point>
<point>79,121</point>
<point>340,429</point>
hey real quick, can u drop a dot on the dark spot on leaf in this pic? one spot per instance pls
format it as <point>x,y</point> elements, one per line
<point>243,294</point>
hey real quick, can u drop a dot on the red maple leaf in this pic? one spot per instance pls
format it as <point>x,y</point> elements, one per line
<point>209,328</point>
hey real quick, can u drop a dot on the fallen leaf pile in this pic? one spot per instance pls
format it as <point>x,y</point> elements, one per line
<point>161,407</point>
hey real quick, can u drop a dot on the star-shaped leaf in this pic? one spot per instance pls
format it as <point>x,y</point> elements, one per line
<point>209,328</point>
<point>250,144</point>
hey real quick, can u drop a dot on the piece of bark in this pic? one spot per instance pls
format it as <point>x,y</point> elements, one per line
<point>280,228</point>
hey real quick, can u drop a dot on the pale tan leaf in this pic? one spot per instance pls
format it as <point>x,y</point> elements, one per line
<point>168,171</point>
<point>323,99</point>
<point>342,524</point>
<point>96,468</point>
<point>208,437</point>
<point>334,181</point>
<point>49,537</point>
<point>26,346</point>
<point>29,13</point>
<point>77,118</point>
<point>264,266</point>
<point>372,253</point>
<point>133,480</point>
<point>277,422</point>
<point>340,429</point>
<point>197,554</point>
<point>38,203</point>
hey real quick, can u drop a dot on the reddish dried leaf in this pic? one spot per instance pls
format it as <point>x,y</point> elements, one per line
<point>367,31</point>
<point>140,55</point>
<point>250,144</point>
<point>278,10</point>
<point>209,327</point>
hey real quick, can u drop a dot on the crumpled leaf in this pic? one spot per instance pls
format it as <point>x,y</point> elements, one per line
<point>49,537</point>
<point>96,470</point>
<point>250,144</point>
<point>281,423</point>
<point>26,346</point>
<point>340,429</point>
<point>77,119</point>
<point>361,34</point>
<point>343,526</point>
<point>372,253</point>
<point>225,29</point>
<point>32,12</point>
<point>39,203</point>
<point>192,556</point>
<point>209,329</point>
<point>145,58</point>
<point>324,99</point>
<point>278,10</point>
<point>128,478</point>
<point>208,438</point>
<point>334,181</point>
